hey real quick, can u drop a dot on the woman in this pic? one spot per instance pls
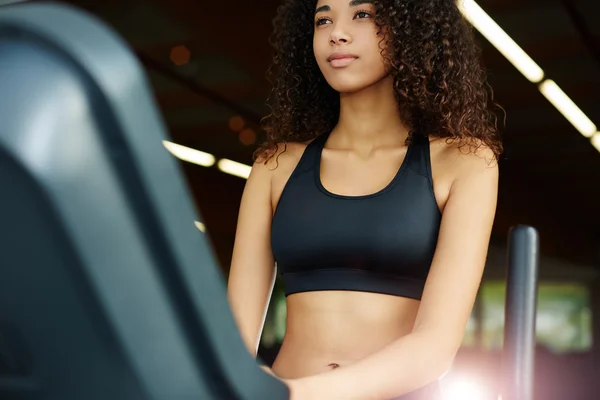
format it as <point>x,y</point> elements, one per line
<point>375,194</point>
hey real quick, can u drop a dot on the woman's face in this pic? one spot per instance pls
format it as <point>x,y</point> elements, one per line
<point>346,44</point>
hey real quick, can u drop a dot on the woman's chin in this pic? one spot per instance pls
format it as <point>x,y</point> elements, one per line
<point>348,86</point>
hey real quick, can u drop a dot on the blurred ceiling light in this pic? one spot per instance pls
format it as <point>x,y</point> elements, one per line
<point>504,43</point>
<point>247,136</point>
<point>180,55</point>
<point>567,107</point>
<point>521,60</point>
<point>190,155</point>
<point>236,123</point>
<point>596,140</point>
<point>234,168</point>
<point>200,226</point>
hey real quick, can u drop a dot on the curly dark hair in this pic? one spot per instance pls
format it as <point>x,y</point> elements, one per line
<point>439,82</point>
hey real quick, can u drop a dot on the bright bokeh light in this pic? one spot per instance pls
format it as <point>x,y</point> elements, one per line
<point>190,155</point>
<point>596,140</point>
<point>201,227</point>
<point>234,168</point>
<point>247,136</point>
<point>500,39</point>
<point>467,389</point>
<point>567,108</point>
<point>236,123</point>
<point>180,55</point>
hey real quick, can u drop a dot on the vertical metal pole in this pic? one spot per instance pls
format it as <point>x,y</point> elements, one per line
<point>520,313</point>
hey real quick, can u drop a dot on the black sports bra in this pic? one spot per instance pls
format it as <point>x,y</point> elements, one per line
<point>382,242</point>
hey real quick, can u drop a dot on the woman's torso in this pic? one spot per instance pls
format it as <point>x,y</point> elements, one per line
<point>329,329</point>
<point>334,328</point>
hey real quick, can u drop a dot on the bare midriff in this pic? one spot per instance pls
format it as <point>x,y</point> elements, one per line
<point>333,329</point>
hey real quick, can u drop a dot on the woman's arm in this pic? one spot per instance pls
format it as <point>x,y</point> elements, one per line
<point>252,272</point>
<point>424,355</point>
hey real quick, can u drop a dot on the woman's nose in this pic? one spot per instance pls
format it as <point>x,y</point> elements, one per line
<point>339,35</point>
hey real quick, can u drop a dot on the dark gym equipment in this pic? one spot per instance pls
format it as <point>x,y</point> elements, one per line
<point>107,289</point>
<point>520,312</point>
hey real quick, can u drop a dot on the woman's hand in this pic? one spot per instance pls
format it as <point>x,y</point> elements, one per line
<point>300,390</point>
<point>268,370</point>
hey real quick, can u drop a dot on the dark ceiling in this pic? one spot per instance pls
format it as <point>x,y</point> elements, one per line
<point>550,174</point>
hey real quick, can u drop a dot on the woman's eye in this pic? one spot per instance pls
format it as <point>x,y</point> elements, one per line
<point>358,15</point>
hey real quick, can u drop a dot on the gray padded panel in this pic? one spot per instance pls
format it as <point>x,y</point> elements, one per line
<point>107,290</point>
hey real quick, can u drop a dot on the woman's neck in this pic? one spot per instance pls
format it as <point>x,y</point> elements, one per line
<point>370,118</point>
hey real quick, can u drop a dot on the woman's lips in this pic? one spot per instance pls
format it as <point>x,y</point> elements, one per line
<point>342,62</point>
<point>339,59</point>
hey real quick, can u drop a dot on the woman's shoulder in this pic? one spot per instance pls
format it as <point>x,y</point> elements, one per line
<point>283,156</point>
<point>278,165</point>
<point>453,160</point>
<point>461,154</point>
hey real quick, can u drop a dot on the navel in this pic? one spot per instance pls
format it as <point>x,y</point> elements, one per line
<point>333,365</point>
